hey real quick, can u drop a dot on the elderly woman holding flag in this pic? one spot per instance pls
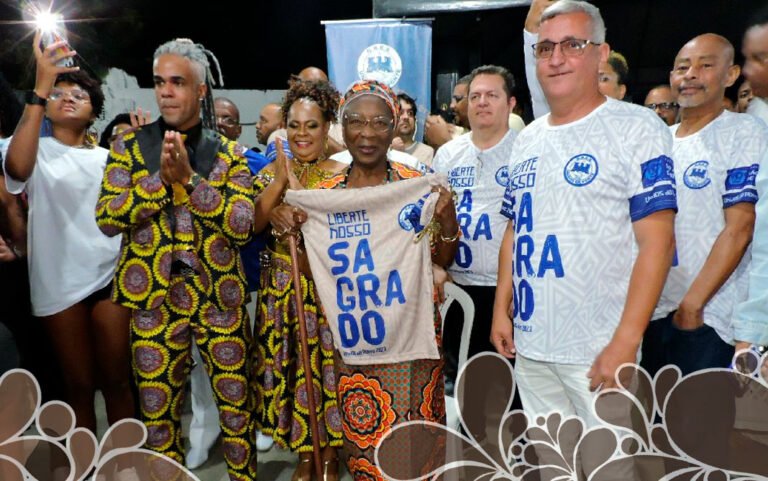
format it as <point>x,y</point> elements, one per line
<point>388,361</point>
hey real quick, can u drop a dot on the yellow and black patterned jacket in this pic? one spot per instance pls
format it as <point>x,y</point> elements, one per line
<point>199,231</point>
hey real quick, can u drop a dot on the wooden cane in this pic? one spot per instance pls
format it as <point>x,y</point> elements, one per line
<point>299,296</point>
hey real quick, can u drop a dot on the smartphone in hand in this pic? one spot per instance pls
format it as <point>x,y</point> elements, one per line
<point>55,35</point>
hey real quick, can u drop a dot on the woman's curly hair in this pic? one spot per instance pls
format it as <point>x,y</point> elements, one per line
<point>322,93</point>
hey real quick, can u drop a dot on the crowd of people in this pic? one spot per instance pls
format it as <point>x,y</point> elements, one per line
<point>601,233</point>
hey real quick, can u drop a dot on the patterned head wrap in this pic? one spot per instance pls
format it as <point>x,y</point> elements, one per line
<point>371,87</point>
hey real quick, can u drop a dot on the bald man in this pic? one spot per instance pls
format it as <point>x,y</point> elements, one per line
<point>717,155</point>
<point>313,74</point>
<point>270,119</point>
<point>661,100</point>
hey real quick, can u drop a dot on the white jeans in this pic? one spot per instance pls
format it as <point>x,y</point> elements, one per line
<point>546,387</point>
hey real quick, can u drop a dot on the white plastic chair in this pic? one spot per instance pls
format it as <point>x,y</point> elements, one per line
<point>456,293</point>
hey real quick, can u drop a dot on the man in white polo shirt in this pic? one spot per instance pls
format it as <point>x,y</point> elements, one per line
<point>476,165</point>
<point>717,157</point>
<point>591,202</point>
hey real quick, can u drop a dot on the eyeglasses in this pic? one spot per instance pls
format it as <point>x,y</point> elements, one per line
<point>77,95</point>
<point>227,121</point>
<point>570,47</point>
<point>356,123</point>
<point>662,106</point>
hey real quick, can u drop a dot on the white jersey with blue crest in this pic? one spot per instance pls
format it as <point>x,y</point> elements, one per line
<point>574,191</point>
<point>715,169</point>
<point>479,178</point>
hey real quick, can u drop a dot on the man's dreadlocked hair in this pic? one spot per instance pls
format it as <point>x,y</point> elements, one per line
<point>198,56</point>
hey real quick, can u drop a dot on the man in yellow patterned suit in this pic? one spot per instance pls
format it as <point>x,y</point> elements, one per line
<point>181,196</point>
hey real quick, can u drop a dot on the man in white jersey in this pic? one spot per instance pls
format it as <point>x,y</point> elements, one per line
<point>717,156</point>
<point>476,165</point>
<point>590,202</point>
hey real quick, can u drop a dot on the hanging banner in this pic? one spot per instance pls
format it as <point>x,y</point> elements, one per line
<point>395,52</point>
<point>373,276</point>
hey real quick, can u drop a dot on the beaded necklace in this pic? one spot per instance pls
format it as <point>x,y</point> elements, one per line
<point>387,179</point>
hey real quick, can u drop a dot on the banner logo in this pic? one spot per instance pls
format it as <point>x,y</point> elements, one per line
<point>380,62</point>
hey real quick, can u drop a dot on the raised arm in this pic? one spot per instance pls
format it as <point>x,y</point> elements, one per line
<point>22,151</point>
<point>531,36</point>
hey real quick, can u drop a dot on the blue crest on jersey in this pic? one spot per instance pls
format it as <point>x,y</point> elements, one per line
<point>741,177</point>
<point>657,170</point>
<point>502,176</point>
<point>581,170</point>
<point>697,175</point>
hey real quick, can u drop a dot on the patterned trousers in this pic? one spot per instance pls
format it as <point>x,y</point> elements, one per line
<point>160,348</point>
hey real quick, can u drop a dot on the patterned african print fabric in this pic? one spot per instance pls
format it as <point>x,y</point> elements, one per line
<point>282,410</point>
<point>199,229</point>
<point>180,270</point>
<point>374,398</point>
<point>160,352</point>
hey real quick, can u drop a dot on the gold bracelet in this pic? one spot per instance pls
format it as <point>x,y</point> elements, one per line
<point>455,237</point>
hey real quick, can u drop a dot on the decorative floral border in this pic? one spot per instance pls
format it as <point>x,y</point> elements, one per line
<point>709,425</point>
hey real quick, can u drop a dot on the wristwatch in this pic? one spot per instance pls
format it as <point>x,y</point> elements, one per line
<point>33,99</point>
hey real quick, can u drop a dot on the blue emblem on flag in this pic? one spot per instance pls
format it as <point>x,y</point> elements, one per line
<point>502,176</point>
<point>697,175</point>
<point>580,170</point>
<point>404,218</point>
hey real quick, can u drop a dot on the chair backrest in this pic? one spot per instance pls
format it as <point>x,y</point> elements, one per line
<point>456,293</point>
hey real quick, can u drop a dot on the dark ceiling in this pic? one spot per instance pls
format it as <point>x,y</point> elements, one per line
<point>259,43</point>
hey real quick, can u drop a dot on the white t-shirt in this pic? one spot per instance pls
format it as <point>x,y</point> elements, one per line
<point>715,168</point>
<point>479,178</point>
<point>69,257</point>
<point>574,191</point>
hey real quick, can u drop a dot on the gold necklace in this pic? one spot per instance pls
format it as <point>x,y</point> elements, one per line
<point>310,173</point>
